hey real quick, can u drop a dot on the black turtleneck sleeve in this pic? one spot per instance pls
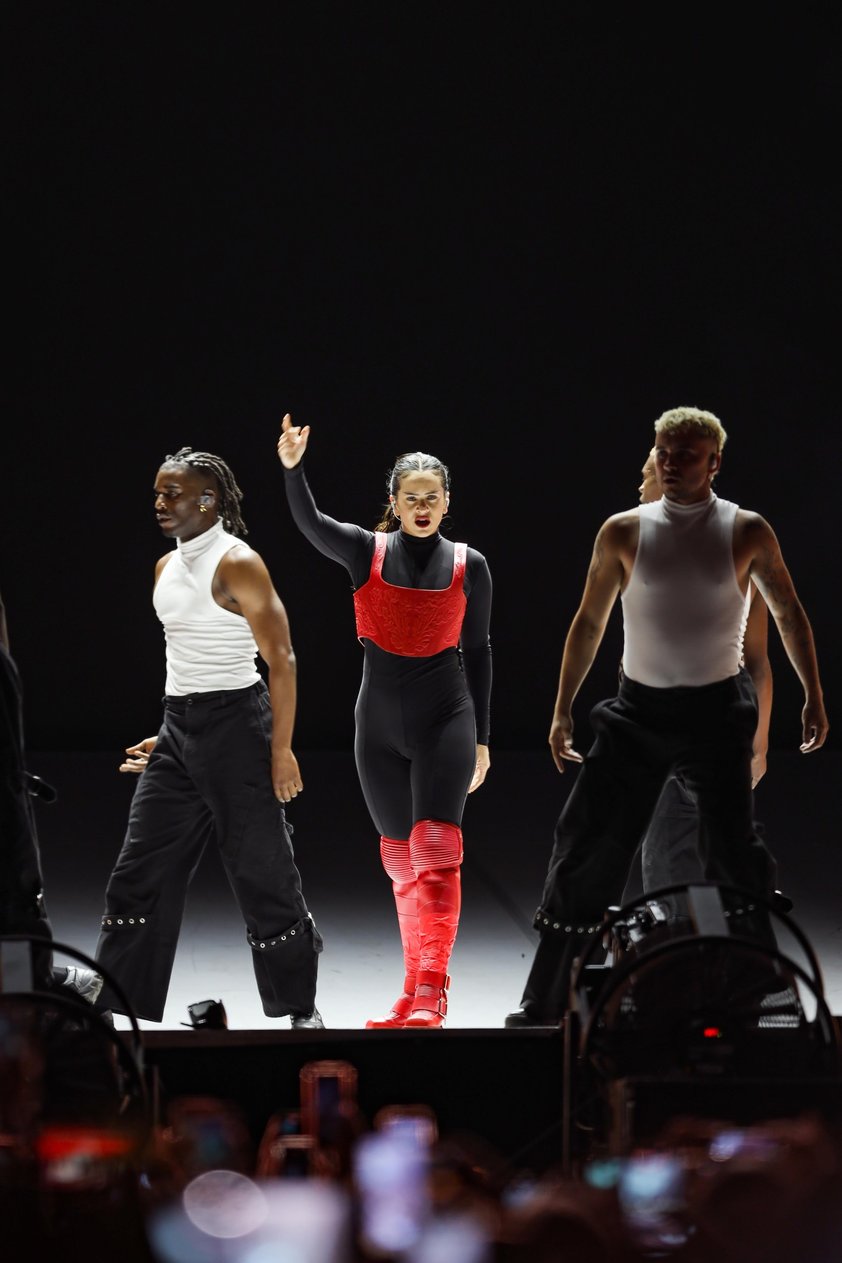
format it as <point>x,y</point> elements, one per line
<point>351,546</point>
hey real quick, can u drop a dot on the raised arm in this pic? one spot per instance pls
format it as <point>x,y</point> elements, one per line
<point>244,580</point>
<point>766,567</point>
<point>756,657</point>
<point>293,442</point>
<point>602,587</point>
<point>350,545</point>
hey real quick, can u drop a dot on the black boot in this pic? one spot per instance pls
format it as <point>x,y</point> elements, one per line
<point>546,993</point>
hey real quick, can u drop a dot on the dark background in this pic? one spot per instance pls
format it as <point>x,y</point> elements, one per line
<point>509,235</point>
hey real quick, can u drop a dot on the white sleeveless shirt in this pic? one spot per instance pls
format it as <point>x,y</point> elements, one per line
<point>684,615</point>
<point>208,648</point>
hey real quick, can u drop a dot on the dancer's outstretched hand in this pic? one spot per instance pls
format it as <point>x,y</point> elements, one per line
<point>138,755</point>
<point>293,442</point>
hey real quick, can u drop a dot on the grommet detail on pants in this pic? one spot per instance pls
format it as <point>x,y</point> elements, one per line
<point>264,944</point>
<point>544,923</point>
<point>111,922</point>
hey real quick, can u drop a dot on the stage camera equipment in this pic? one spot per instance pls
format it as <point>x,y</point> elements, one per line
<point>75,1115</point>
<point>686,987</point>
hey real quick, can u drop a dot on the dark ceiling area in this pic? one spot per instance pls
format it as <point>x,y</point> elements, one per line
<point>510,236</point>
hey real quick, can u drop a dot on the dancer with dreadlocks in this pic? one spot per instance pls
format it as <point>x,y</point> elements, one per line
<point>222,764</point>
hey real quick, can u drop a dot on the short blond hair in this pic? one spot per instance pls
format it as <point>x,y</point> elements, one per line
<point>695,420</point>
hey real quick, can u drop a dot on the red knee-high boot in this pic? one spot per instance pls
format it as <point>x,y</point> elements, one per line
<point>395,856</point>
<point>435,850</point>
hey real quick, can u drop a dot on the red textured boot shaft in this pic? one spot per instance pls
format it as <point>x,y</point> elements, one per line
<point>434,844</point>
<point>439,905</point>
<point>435,849</point>
<point>394,854</point>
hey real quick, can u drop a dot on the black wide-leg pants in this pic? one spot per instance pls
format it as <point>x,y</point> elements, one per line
<point>209,776</point>
<point>642,737</point>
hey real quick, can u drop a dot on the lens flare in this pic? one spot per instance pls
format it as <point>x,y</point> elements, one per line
<point>224,1204</point>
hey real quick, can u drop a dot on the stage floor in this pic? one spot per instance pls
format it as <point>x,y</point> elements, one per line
<point>508,834</point>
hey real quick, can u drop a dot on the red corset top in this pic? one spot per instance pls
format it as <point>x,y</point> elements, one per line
<point>412,622</point>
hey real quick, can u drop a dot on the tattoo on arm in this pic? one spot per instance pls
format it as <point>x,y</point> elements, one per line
<point>788,610</point>
<point>598,559</point>
<point>779,590</point>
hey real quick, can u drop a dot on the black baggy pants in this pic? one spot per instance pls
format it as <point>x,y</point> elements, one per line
<point>209,776</point>
<point>642,737</point>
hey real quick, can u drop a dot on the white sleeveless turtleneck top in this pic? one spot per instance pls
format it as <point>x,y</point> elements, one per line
<point>684,615</point>
<point>208,648</point>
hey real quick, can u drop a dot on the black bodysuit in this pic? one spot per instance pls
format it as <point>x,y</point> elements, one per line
<point>418,720</point>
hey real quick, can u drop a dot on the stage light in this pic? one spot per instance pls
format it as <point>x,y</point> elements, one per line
<point>207,1015</point>
<point>694,973</point>
<point>701,987</point>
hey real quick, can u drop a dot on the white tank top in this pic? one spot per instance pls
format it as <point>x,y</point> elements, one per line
<point>684,615</point>
<point>208,648</point>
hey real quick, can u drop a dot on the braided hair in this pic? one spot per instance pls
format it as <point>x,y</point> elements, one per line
<point>410,462</point>
<point>230,494</point>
